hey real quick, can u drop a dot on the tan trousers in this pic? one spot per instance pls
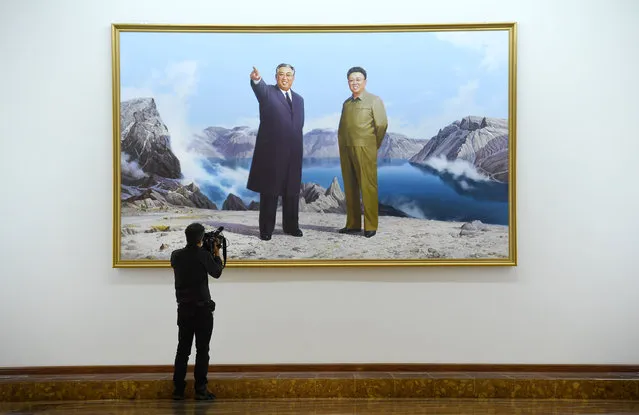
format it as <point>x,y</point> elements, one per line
<point>359,172</point>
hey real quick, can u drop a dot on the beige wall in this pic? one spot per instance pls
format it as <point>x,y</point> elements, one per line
<point>572,299</point>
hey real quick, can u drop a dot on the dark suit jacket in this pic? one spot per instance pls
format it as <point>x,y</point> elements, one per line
<point>276,167</point>
<point>191,267</point>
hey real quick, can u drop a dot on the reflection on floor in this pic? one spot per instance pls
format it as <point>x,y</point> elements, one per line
<point>325,406</point>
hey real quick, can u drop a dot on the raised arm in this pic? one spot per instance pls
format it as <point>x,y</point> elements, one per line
<point>212,264</point>
<point>257,84</point>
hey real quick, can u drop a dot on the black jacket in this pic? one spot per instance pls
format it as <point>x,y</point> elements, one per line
<point>191,266</point>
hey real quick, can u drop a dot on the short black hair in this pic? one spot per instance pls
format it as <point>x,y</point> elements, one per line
<point>356,69</point>
<point>285,65</point>
<point>194,233</point>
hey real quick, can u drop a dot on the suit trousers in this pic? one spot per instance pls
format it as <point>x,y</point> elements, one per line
<point>193,321</point>
<point>268,210</point>
<point>359,172</point>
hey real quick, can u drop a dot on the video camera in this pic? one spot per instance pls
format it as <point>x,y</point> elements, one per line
<point>213,238</point>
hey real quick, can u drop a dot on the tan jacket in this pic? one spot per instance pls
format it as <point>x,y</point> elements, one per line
<point>363,122</point>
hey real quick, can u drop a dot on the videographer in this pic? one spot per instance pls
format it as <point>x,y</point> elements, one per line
<point>192,265</point>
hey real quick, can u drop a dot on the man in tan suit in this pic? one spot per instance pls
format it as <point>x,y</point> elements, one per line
<point>362,128</point>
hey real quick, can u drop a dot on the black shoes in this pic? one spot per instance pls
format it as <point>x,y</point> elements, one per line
<point>204,396</point>
<point>199,396</point>
<point>367,234</point>
<point>296,232</point>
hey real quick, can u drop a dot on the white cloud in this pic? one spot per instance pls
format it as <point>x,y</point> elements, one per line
<point>458,168</point>
<point>454,108</point>
<point>181,77</point>
<point>492,44</point>
<point>234,179</point>
<point>412,208</point>
<point>131,168</point>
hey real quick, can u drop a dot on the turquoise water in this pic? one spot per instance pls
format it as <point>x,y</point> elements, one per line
<point>417,191</point>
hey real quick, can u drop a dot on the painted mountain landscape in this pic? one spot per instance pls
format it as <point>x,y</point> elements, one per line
<point>443,173</point>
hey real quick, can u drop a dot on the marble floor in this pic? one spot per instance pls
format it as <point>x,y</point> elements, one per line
<point>322,385</point>
<point>324,406</point>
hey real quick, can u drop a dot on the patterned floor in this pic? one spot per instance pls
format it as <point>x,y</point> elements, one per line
<point>322,385</point>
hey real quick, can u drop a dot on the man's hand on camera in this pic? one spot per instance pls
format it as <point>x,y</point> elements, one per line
<point>216,249</point>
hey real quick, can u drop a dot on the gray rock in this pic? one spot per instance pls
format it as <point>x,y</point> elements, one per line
<point>480,141</point>
<point>321,143</point>
<point>335,191</point>
<point>398,146</point>
<point>178,199</point>
<point>311,192</point>
<point>146,140</point>
<point>127,231</point>
<point>233,202</point>
<point>472,228</point>
<point>317,200</point>
<point>162,193</point>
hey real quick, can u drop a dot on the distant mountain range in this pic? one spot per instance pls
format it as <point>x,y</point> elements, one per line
<point>239,142</point>
<point>151,173</point>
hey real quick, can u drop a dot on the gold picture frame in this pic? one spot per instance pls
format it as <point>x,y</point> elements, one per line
<point>185,118</point>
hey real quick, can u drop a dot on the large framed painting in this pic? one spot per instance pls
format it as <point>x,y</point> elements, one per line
<point>397,147</point>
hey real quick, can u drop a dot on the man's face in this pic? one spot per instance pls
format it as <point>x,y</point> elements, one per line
<point>284,77</point>
<point>356,83</point>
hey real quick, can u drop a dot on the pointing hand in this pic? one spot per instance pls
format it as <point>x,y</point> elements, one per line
<point>255,75</point>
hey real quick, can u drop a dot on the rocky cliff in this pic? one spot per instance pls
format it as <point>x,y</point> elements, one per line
<point>481,141</point>
<point>398,146</point>
<point>145,138</point>
<point>150,171</point>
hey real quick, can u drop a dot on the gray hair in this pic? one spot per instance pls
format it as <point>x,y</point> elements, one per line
<point>285,65</point>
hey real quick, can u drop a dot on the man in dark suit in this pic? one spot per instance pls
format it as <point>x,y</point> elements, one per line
<point>276,168</point>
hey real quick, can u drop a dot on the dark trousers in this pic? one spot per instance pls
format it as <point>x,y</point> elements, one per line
<point>193,321</point>
<point>268,210</point>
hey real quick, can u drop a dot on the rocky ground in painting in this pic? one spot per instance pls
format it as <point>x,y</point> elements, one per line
<point>154,234</point>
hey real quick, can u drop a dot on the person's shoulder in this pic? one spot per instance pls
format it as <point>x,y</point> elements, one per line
<point>370,96</point>
<point>271,87</point>
<point>176,256</point>
<point>178,251</point>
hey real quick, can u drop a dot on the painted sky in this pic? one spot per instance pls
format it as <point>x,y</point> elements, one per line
<point>426,79</point>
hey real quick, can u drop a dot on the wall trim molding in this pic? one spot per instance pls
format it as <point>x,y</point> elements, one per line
<point>329,367</point>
